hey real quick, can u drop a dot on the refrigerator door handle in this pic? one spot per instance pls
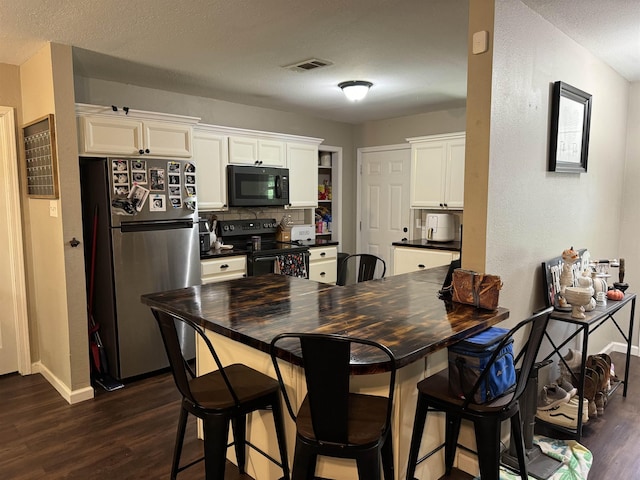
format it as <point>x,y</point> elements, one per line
<point>151,226</point>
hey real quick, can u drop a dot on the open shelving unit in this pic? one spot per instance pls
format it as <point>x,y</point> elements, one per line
<point>329,159</point>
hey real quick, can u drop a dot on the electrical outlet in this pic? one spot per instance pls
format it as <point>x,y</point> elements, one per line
<point>53,208</point>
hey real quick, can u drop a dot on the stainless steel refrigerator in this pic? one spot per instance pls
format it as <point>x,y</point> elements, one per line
<point>142,216</point>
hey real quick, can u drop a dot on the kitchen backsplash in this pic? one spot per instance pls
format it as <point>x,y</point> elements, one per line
<point>249,213</point>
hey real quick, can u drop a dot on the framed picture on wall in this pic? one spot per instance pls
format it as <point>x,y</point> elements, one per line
<point>569,134</point>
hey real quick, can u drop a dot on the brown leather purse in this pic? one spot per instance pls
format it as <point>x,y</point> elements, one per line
<point>477,289</point>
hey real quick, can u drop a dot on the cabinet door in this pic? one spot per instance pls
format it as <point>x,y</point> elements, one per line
<point>251,151</point>
<point>167,140</point>
<point>210,156</point>
<point>221,269</point>
<point>323,264</point>
<point>407,260</point>
<point>271,153</point>
<point>454,184</point>
<point>324,272</point>
<point>428,169</point>
<point>110,136</point>
<point>243,150</point>
<point>302,161</point>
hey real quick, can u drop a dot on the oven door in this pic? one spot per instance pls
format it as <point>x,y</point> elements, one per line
<point>265,263</point>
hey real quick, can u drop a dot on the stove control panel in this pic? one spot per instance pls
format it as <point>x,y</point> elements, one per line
<point>248,227</point>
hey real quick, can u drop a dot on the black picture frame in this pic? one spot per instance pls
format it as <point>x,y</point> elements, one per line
<point>570,124</point>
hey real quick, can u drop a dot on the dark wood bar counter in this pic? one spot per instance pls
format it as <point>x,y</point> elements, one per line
<point>403,312</point>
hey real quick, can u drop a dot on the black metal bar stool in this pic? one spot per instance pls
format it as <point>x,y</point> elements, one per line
<point>434,394</point>
<point>225,395</point>
<point>332,421</point>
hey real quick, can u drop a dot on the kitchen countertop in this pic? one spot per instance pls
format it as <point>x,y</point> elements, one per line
<point>403,311</point>
<point>422,243</point>
<point>213,253</point>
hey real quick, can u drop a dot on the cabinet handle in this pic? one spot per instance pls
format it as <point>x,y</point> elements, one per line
<point>420,265</point>
<point>141,151</point>
<point>322,274</point>
<point>146,150</point>
<point>223,266</point>
<point>323,254</point>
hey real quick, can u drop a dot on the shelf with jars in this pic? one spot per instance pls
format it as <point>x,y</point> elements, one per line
<point>324,212</point>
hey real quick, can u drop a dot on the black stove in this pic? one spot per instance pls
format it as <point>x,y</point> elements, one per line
<point>257,239</point>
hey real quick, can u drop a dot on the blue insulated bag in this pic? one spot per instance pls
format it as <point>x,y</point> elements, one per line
<point>469,357</point>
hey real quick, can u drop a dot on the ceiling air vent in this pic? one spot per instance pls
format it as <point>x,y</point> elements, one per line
<point>307,65</point>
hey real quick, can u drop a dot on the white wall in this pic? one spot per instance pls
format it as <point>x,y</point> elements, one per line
<point>55,270</point>
<point>534,214</point>
<point>630,215</point>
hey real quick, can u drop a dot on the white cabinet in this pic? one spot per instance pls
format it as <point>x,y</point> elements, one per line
<point>256,151</point>
<point>220,269</point>
<point>102,131</point>
<point>323,264</point>
<point>210,158</point>
<point>407,259</point>
<point>302,162</point>
<point>437,171</point>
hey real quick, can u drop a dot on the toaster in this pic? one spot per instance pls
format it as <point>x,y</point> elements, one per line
<point>303,233</point>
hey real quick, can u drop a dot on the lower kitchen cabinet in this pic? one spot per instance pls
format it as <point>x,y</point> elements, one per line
<point>220,269</point>
<point>407,260</point>
<point>323,264</point>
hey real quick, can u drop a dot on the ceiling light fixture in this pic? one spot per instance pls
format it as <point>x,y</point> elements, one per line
<point>355,90</point>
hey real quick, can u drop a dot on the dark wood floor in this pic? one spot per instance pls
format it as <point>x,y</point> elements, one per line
<point>125,434</point>
<point>129,433</point>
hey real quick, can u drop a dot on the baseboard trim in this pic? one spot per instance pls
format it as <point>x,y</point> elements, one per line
<point>71,396</point>
<point>621,348</point>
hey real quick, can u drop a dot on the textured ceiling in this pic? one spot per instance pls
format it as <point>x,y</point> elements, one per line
<point>414,51</point>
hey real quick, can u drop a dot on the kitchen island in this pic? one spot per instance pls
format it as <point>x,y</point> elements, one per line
<point>403,312</point>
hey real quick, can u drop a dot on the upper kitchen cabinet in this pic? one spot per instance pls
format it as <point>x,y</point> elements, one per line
<point>103,131</point>
<point>302,162</point>
<point>210,158</point>
<point>256,151</point>
<point>437,171</point>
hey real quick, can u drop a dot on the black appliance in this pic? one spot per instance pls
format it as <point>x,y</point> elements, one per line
<point>205,235</point>
<point>257,186</point>
<point>257,239</point>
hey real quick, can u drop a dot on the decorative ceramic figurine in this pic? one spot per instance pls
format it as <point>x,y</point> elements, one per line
<point>585,281</point>
<point>578,297</point>
<point>569,257</point>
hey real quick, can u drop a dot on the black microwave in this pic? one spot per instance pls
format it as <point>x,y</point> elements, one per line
<point>249,186</point>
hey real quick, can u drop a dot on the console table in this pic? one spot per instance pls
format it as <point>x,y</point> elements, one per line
<point>594,320</point>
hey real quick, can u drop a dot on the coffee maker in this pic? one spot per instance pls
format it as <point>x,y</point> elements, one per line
<point>205,235</point>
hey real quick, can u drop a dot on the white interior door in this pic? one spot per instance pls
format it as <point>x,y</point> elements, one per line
<point>384,210</point>
<point>14,355</point>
